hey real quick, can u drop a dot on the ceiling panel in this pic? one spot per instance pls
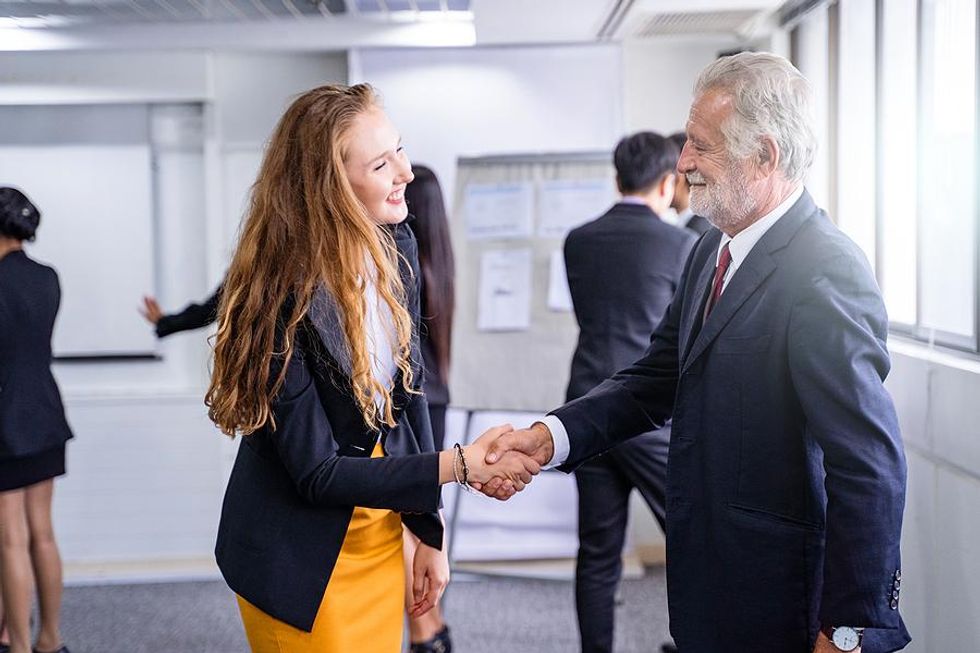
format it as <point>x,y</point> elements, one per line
<point>40,13</point>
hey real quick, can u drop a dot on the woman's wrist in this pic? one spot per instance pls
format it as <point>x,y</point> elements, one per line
<point>446,460</point>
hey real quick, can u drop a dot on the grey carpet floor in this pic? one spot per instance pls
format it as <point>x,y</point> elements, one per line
<point>485,614</point>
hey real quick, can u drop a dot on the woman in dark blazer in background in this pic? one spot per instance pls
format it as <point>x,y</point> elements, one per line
<point>33,432</point>
<point>316,363</point>
<point>428,632</point>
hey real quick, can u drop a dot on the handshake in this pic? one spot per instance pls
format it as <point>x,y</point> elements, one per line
<point>502,461</point>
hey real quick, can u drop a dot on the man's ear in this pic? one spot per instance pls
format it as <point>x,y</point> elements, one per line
<point>667,185</point>
<point>768,156</point>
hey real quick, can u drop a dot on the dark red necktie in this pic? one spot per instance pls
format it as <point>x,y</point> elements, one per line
<point>723,262</point>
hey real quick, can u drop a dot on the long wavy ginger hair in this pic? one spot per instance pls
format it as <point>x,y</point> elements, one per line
<point>304,227</point>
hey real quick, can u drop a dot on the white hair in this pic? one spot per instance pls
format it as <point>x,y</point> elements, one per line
<point>770,98</point>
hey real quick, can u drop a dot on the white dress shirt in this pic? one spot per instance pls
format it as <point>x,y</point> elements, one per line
<point>683,217</point>
<point>380,334</point>
<point>739,247</point>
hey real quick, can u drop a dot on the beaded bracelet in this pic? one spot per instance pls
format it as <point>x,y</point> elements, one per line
<point>465,481</point>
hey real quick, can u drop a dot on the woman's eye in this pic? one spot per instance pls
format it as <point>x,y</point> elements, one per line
<point>381,165</point>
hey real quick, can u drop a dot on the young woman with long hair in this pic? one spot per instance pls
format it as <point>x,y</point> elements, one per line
<point>428,632</point>
<point>317,365</point>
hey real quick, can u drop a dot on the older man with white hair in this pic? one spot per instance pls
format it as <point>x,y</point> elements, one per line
<point>786,472</point>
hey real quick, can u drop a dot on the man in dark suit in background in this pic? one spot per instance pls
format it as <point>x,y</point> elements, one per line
<point>623,269</point>
<point>682,197</point>
<point>786,475</point>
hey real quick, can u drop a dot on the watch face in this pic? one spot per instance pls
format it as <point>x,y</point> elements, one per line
<point>846,639</point>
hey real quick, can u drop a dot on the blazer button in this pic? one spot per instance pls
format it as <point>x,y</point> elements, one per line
<point>893,605</point>
<point>898,574</point>
<point>895,595</point>
<point>897,584</point>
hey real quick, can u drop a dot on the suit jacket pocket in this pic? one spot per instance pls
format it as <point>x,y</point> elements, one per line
<point>742,344</point>
<point>763,518</point>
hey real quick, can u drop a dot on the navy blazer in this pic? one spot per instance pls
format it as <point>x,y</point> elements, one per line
<point>623,269</point>
<point>786,473</point>
<point>293,490</point>
<point>32,416</point>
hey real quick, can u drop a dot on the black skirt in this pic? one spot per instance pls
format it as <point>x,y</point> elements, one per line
<point>23,471</point>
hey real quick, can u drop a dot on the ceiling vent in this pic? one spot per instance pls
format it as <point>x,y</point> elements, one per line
<point>709,22</point>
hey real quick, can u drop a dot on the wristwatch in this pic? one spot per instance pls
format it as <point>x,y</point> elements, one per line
<point>844,638</point>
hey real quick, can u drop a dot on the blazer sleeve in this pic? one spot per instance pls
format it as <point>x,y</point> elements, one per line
<point>304,440</point>
<point>633,401</point>
<point>838,363</point>
<point>194,316</point>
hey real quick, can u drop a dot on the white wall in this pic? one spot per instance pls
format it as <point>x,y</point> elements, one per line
<point>936,396</point>
<point>450,103</point>
<point>251,92</point>
<point>659,77</point>
<point>98,77</point>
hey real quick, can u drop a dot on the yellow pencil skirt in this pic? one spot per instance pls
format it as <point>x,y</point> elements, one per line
<point>362,610</point>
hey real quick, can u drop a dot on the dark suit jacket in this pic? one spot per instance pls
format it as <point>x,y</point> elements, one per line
<point>786,473</point>
<point>194,316</point>
<point>698,224</point>
<point>623,269</point>
<point>32,417</point>
<point>292,491</point>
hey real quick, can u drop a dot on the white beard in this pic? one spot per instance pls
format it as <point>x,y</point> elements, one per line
<point>725,202</point>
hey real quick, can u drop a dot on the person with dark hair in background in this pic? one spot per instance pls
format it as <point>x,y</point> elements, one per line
<point>623,269</point>
<point>33,433</point>
<point>194,316</point>
<point>428,632</point>
<point>682,197</point>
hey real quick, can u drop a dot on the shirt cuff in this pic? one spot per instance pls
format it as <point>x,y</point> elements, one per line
<point>559,438</point>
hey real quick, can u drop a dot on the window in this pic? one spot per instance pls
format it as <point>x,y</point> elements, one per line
<point>898,163</point>
<point>947,173</point>
<point>895,83</point>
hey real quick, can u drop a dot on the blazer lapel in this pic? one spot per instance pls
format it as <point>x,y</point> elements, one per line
<point>325,315</point>
<point>754,270</point>
<point>691,321</point>
<point>750,275</point>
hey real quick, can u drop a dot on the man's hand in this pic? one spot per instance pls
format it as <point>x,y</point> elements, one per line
<point>430,576</point>
<point>512,471</point>
<point>824,645</point>
<point>534,442</point>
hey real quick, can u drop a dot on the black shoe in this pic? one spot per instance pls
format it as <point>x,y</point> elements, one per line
<point>441,643</point>
<point>4,648</point>
<point>63,649</point>
<point>668,648</point>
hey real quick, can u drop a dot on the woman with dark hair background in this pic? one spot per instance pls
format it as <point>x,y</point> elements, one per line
<point>428,632</point>
<point>33,432</point>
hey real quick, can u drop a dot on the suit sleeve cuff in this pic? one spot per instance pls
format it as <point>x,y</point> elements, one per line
<point>559,438</point>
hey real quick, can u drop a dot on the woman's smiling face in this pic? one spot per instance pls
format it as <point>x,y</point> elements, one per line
<point>377,167</point>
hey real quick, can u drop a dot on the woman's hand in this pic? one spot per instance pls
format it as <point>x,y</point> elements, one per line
<point>430,576</point>
<point>151,310</point>
<point>514,468</point>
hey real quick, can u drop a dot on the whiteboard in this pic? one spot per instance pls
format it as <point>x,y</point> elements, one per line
<point>96,204</point>
<point>526,369</point>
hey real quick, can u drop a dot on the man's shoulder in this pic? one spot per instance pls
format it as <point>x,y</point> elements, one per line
<point>821,250</point>
<point>596,224</point>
